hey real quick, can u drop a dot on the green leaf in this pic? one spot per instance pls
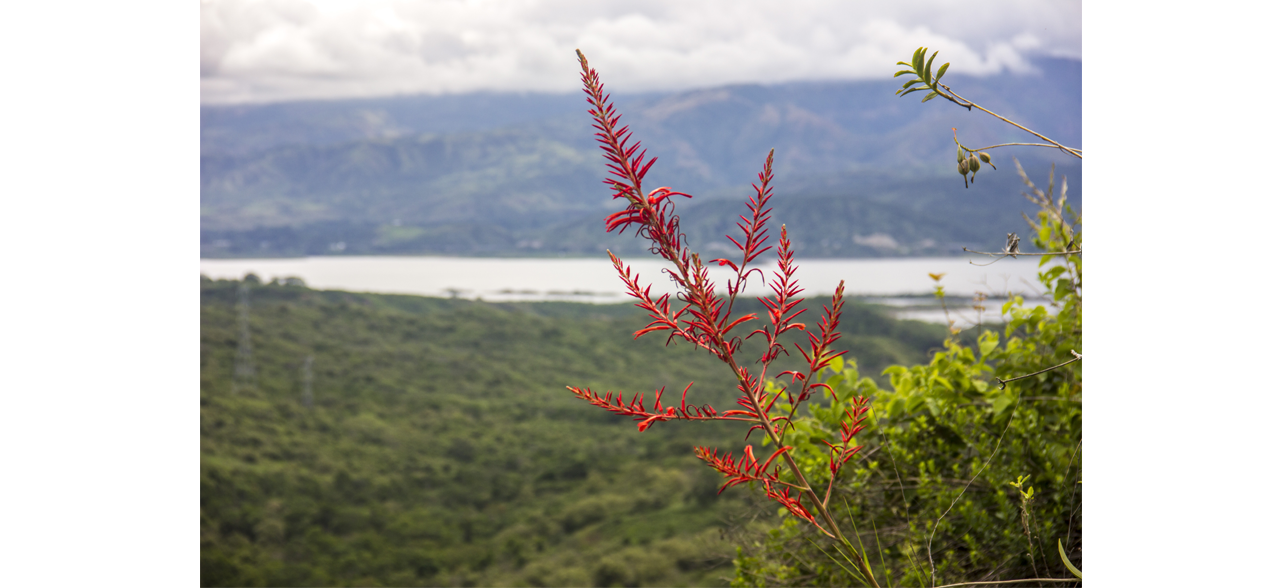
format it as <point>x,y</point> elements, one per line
<point>917,60</point>
<point>837,365</point>
<point>1000,403</point>
<point>904,93</point>
<point>987,342</point>
<point>941,71</point>
<point>1062,289</point>
<point>897,406</point>
<point>911,83</point>
<point>943,382</point>
<point>1067,562</point>
<point>932,404</point>
<point>904,72</point>
<point>928,75</point>
<point>931,96</point>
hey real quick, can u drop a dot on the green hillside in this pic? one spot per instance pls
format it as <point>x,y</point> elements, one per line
<point>439,446</point>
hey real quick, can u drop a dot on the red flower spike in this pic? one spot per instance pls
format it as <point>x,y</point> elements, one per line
<point>646,417</point>
<point>706,320</point>
<point>747,470</point>
<point>819,355</point>
<point>841,454</point>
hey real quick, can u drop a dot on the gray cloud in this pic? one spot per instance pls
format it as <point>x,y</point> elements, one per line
<point>267,50</point>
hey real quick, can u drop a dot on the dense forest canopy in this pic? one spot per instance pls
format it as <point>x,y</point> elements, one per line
<point>359,439</point>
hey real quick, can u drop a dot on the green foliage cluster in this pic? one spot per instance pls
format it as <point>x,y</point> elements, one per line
<point>937,495</point>
<point>441,448</point>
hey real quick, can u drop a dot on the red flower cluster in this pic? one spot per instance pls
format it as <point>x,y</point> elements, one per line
<point>748,469</point>
<point>705,318</point>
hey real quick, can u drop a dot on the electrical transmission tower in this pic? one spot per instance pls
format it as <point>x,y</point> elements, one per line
<point>243,378</point>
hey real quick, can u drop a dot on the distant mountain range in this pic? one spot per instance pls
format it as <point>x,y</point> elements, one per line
<point>860,171</point>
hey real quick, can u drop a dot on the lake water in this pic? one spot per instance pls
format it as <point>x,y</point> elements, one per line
<point>594,280</point>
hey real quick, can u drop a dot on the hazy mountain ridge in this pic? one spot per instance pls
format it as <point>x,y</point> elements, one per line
<point>875,179</point>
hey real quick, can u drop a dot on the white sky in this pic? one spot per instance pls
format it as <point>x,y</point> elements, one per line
<point>269,50</point>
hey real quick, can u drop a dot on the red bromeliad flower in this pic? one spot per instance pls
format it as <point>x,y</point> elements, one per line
<point>705,319</point>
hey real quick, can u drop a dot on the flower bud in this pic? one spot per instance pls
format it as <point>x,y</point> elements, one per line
<point>973,163</point>
<point>959,154</point>
<point>963,167</point>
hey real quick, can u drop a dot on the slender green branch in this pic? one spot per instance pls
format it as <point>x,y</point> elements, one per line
<point>998,255</point>
<point>1048,369</point>
<point>1005,254</point>
<point>1018,144</point>
<point>1012,582</point>
<point>970,104</point>
<point>929,545</point>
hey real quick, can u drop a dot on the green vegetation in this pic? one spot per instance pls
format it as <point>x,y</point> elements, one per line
<point>441,447</point>
<point>972,462</point>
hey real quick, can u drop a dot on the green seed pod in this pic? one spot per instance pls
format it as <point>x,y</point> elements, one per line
<point>959,154</point>
<point>986,158</point>
<point>973,163</point>
<point>963,167</point>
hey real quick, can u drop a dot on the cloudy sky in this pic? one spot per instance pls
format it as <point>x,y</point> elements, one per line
<point>271,50</point>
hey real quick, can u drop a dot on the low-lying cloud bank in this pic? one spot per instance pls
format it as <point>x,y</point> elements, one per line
<point>273,50</point>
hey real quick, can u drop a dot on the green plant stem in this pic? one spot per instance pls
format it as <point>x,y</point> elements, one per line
<point>1026,529</point>
<point>1064,148</point>
<point>1003,254</point>
<point>795,469</point>
<point>1015,144</point>
<point>1077,358</point>
<point>1011,582</point>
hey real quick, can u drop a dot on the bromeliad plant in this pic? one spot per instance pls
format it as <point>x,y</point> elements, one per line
<point>702,317</point>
